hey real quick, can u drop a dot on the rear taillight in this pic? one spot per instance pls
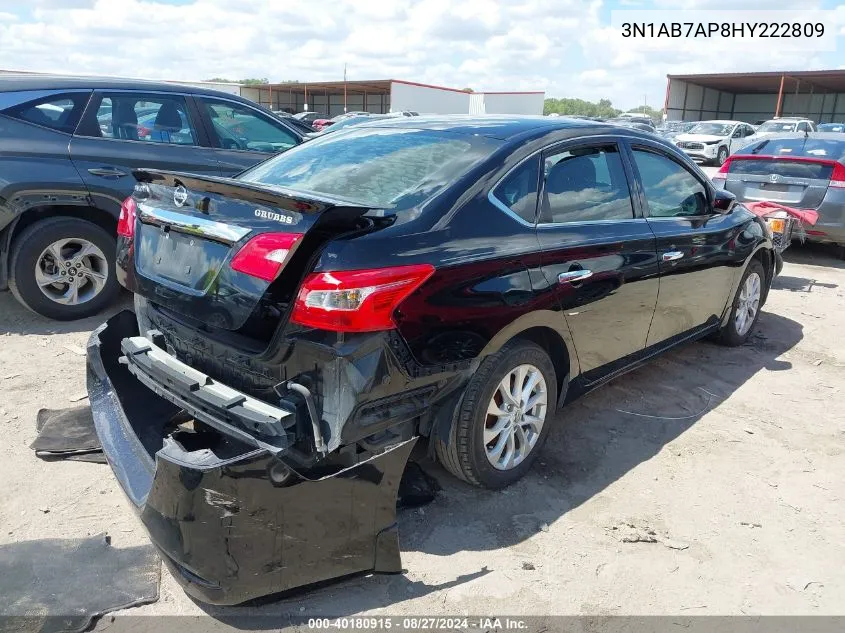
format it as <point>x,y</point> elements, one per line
<point>722,174</point>
<point>143,131</point>
<point>264,255</point>
<point>357,300</point>
<point>126,219</point>
<point>837,178</point>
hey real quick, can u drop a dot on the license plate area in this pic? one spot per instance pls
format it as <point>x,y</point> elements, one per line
<point>185,260</point>
<point>771,186</point>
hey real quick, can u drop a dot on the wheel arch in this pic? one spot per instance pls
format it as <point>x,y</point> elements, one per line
<point>555,340</point>
<point>765,254</point>
<point>104,219</point>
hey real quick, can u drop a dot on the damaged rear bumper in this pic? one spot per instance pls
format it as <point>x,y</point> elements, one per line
<point>236,520</point>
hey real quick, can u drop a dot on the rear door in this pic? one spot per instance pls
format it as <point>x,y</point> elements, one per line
<point>596,254</point>
<point>126,130</point>
<point>242,135</point>
<point>700,251</point>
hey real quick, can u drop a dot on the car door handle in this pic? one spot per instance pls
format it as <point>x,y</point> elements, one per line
<point>671,256</point>
<point>574,276</point>
<point>106,172</point>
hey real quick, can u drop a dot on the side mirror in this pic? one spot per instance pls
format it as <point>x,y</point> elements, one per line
<point>723,201</point>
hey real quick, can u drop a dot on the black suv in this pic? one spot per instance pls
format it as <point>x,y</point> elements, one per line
<point>67,148</point>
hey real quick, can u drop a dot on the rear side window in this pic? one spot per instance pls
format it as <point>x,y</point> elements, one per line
<point>57,112</point>
<point>518,191</point>
<point>585,184</point>
<point>138,117</point>
<point>240,127</point>
<point>670,190</point>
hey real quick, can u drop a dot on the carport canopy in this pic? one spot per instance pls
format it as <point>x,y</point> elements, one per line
<point>811,93</point>
<point>329,97</point>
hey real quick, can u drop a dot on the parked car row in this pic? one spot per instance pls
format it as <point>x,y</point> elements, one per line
<point>68,147</point>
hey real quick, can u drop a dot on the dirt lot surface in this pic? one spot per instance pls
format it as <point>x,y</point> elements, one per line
<point>708,482</point>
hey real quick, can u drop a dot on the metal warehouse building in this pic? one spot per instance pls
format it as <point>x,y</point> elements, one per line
<point>818,95</point>
<point>385,95</point>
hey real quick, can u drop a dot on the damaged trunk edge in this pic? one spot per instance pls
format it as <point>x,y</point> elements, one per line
<point>238,515</point>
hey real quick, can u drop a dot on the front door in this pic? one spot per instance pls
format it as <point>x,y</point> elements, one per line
<point>596,255</point>
<point>700,252</point>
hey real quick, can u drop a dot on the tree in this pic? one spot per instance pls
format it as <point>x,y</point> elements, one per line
<point>263,81</point>
<point>656,115</point>
<point>468,90</point>
<point>579,107</point>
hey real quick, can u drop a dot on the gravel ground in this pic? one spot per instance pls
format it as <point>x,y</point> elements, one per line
<point>708,482</point>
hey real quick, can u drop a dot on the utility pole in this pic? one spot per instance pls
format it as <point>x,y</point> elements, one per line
<point>344,87</point>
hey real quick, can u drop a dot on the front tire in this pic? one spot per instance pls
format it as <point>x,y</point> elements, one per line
<point>745,309</point>
<point>503,419</point>
<point>721,156</point>
<point>64,268</point>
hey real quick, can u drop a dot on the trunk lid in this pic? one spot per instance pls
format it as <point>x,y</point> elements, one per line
<point>792,181</point>
<point>190,227</point>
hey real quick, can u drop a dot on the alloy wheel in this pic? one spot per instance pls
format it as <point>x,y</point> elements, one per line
<point>515,417</point>
<point>748,304</point>
<point>71,271</point>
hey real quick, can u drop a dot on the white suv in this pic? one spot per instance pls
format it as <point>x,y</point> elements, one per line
<point>714,141</point>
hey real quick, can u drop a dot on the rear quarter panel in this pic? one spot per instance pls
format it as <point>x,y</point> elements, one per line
<point>35,170</point>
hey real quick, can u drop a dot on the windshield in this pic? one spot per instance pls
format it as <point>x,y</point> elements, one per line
<point>713,129</point>
<point>832,127</point>
<point>385,168</point>
<point>777,126</point>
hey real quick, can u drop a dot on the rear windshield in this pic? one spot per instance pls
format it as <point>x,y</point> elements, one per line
<point>810,147</point>
<point>385,168</point>
<point>785,168</point>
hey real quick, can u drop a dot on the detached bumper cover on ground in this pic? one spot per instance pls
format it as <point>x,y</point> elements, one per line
<point>233,520</point>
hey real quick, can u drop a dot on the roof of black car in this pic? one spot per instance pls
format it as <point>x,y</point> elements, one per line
<point>495,126</point>
<point>11,82</point>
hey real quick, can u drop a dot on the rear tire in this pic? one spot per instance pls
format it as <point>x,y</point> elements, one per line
<point>471,450</point>
<point>78,254</point>
<point>737,330</point>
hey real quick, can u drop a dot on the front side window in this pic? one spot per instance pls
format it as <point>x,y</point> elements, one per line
<point>58,112</point>
<point>151,118</point>
<point>518,191</point>
<point>670,190</point>
<point>240,127</point>
<point>585,184</point>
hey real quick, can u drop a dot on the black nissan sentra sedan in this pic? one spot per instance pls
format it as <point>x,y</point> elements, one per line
<point>298,327</point>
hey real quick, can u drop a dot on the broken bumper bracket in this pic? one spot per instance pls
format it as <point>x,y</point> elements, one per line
<point>233,521</point>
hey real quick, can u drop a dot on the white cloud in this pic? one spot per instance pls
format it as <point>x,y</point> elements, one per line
<point>561,47</point>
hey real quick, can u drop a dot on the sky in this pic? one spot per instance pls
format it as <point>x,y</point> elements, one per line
<point>566,48</point>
